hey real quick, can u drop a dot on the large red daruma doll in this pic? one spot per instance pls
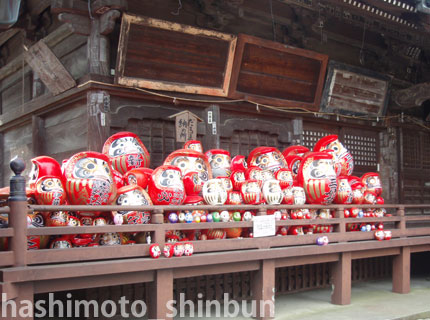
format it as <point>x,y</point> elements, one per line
<point>126,151</point>
<point>166,186</point>
<point>267,158</point>
<point>318,178</point>
<point>342,157</point>
<point>188,160</point>
<point>89,179</point>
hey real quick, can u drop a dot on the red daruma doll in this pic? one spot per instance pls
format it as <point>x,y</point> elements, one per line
<point>126,151</point>
<point>89,179</point>
<point>318,178</point>
<point>41,167</point>
<point>372,182</point>
<point>166,186</point>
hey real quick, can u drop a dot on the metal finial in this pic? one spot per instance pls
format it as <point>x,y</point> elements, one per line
<point>17,165</point>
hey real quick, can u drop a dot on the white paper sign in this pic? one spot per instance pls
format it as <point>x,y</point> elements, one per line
<point>264,226</point>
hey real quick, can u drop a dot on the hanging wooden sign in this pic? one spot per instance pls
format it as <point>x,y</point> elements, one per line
<point>355,91</point>
<point>186,125</point>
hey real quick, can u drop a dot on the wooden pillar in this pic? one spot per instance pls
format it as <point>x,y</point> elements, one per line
<point>159,293</point>
<point>18,213</point>
<point>263,290</point>
<point>98,107</point>
<point>38,128</point>
<point>341,279</point>
<point>402,271</point>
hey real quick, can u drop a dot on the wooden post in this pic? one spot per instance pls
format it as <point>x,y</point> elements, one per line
<point>402,271</point>
<point>341,227</point>
<point>18,213</point>
<point>341,279</point>
<point>98,106</point>
<point>159,234</point>
<point>263,290</point>
<point>211,139</point>
<point>159,293</point>
<point>38,128</point>
<point>401,225</point>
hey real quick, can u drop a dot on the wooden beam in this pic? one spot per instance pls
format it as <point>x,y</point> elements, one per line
<point>94,281</point>
<point>36,7</point>
<point>49,68</point>
<point>402,271</point>
<point>51,40</point>
<point>341,280</point>
<point>7,34</point>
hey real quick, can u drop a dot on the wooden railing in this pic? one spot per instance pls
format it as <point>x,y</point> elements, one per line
<point>25,272</point>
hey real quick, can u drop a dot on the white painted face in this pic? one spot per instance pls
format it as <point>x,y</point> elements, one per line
<point>92,168</point>
<point>220,164</point>
<point>267,175</point>
<point>171,179</point>
<point>188,164</point>
<point>227,183</point>
<point>131,198</point>
<point>299,195</point>
<point>214,192</point>
<point>50,184</point>
<point>270,161</point>
<point>125,145</point>
<point>272,192</point>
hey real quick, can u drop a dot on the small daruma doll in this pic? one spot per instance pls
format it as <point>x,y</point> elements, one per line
<point>251,192</point>
<point>372,182</point>
<point>318,178</point>
<point>342,157</point>
<point>272,192</point>
<point>214,192</point>
<point>133,195</point>
<point>43,166</point>
<point>166,186</point>
<point>194,145</point>
<point>344,194</point>
<point>285,178</point>
<point>126,152</point>
<point>220,162</point>
<point>267,158</point>
<point>50,191</point>
<point>89,179</point>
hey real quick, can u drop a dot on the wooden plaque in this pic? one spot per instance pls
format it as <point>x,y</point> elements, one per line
<point>355,91</point>
<point>272,73</point>
<point>162,55</point>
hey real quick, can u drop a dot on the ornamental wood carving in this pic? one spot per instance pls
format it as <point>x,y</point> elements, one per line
<point>413,96</point>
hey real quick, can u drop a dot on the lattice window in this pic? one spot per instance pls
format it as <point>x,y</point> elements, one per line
<point>310,137</point>
<point>411,150</point>
<point>244,141</point>
<point>362,148</point>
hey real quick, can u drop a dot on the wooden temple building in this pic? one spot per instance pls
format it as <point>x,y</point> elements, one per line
<point>256,73</point>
